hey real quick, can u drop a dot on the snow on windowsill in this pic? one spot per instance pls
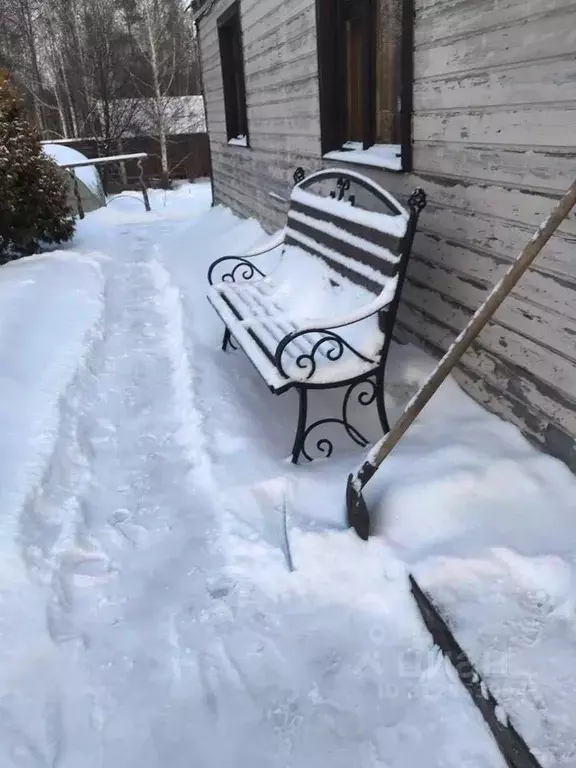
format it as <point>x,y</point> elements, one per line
<point>239,141</point>
<point>387,156</point>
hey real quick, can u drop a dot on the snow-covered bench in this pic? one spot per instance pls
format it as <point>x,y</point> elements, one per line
<point>325,317</point>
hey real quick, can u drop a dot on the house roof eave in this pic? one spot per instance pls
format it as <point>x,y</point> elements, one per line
<point>200,8</point>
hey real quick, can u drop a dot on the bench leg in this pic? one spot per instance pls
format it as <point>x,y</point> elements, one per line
<point>381,401</point>
<point>227,341</point>
<point>301,428</point>
<point>363,392</point>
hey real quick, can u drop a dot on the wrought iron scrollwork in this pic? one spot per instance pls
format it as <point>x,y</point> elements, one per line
<point>364,393</point>
<point>330,346</point>
<point>343,189</point>
<point>417,201</point>
<point>243,269</point>
<point>299,175</point>
<point>228,341</point>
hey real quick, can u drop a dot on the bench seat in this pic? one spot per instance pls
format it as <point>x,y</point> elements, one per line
<point>259,316</point>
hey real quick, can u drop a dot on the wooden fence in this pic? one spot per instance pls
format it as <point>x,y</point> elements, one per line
<point>188,158</point>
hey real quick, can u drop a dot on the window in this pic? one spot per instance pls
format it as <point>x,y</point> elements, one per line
<point>359,71</point>
<point>365,67</point>
<point>230,40</point>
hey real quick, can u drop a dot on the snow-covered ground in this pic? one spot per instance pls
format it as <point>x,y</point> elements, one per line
<point>148,616</point>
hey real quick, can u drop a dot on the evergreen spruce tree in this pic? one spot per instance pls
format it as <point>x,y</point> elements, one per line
<point>33,190</point>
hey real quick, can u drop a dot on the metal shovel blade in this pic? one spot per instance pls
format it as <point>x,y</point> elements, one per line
<point>357,513</point>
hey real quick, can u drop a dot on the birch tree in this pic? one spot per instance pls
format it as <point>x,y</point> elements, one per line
<point>107,51</point>
<point>101,68</point>
<point>19,40</point>
<point>163,36</point>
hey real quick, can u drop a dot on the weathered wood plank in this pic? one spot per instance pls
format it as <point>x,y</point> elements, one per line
<point>213,79</point>
<point>296,108</point>
<point>254,176</point>
<point>283,72</point>
<point>216,118</point>
<point>438,21</point>
<point>526,392</point>
<point>214,100</point>
<point>288,36</point>
<point>280,183</point>
<point>281,53</point>
<point>218,129</point>
<point>270,13</point>
<point>538,286</point>
<point>227,201</point>
<point>278,44</point>
<point>506,390</point>
<point>547,434</point>
<point>250,185</point>
<point>550,127</point>
<point>304,126</point>
<point>272,155</point>
<point>472,197</point>
<point>545,82</point>
<point>245,196</point>
<point>541,325</point>
<point>513,346</point>
<point>281,142</point>
<point>306,87</point>
<point>210,50</point>
<point>271,163</point>
<point>532,168</point>
<point>500,237</point>
<point>269,219</point>
<point>538,38</point>
<point>249,5</point>
<point>281,31</point>
<point>250,203</point>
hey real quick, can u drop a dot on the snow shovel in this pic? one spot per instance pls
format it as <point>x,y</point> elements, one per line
<point>358,515</point>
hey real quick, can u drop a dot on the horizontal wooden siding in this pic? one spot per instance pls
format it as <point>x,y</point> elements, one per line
<point>279,41</point>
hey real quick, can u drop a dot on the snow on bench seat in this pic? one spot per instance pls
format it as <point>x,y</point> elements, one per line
<point>259,319</point>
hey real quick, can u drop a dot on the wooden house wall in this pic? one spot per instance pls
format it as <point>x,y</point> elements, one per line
<point>279,41</point>
<point>494,137</point>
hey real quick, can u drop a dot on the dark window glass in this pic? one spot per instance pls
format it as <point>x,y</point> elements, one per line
<point>365,69</point>
<point>232,58</point>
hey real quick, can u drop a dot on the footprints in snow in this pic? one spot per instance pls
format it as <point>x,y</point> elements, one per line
<point>72,525</point>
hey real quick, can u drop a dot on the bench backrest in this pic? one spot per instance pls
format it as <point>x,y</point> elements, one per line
<point>352,224</point>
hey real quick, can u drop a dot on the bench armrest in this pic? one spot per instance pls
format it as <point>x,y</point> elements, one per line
<point>329,344</point>
<point>276,241</point>
<point>241,263</point>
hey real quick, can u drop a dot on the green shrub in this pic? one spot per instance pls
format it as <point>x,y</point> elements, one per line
<point>33,190</point>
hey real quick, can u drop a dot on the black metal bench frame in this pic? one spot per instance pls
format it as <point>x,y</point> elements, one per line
<point>366,388</point>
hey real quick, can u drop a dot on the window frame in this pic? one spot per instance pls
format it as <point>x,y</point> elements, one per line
<point>332,64</point>
<point>233,78</point>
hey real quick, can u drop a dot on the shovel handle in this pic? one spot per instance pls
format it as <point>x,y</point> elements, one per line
<point>483,315</point>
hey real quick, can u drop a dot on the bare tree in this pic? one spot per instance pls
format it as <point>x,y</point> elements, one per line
<point>163,35</point>
<point>102,68</point>
<point>20,43</point>
<point>107,73</point>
